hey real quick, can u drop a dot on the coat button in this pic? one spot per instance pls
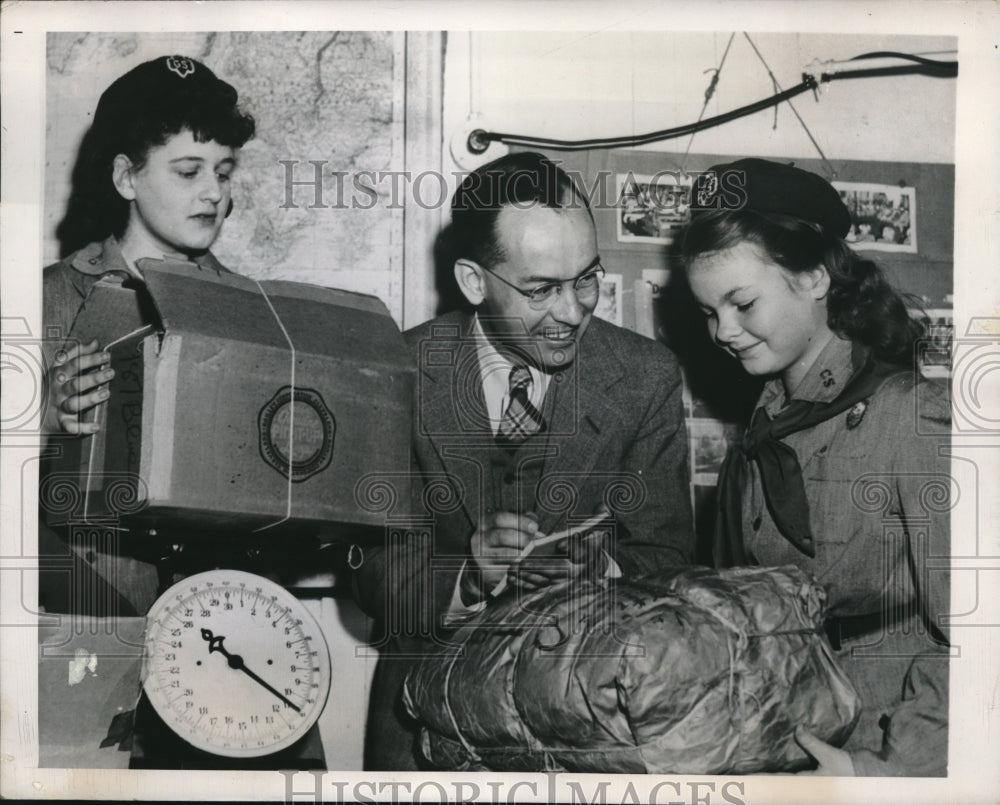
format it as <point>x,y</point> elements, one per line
<point>93,261</point>
<point>756,523</point>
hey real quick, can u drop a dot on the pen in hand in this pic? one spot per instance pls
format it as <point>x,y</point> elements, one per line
<point>538,542</point>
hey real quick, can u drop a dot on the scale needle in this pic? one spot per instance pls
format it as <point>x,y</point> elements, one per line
<point>236,661</point>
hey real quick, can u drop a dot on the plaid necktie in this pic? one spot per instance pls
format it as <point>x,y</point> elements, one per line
<point>521,418</point>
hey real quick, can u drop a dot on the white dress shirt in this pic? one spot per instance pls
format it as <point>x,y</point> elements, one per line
<point>494,369</point>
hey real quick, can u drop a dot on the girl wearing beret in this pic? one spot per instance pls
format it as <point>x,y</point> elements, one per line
<point>844,469</point>
<point>152,179</point>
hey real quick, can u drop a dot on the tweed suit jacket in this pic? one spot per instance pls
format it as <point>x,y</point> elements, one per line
<point>615,435</point>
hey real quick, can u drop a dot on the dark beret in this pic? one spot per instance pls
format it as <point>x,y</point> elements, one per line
<point>156,84</point>
<point>762,186</point>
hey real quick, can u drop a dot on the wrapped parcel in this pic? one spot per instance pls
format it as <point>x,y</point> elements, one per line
<point>237,406</point>
<point>698,672</point>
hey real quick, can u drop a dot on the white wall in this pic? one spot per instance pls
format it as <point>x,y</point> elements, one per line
<point>342,723</point>
<point>579,85</point>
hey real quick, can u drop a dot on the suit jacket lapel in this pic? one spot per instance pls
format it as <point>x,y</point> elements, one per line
<point>451,405</point>
<point>577,407</point>
<point>581,414</point>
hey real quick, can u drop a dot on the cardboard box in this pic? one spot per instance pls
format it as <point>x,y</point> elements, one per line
<point>239,406</point>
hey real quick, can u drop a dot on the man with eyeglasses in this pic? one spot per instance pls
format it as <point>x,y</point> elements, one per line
<point>532,416</point>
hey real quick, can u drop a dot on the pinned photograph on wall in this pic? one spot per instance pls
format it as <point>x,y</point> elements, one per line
<point>710,439</point>
<point>935,348</point>
<point>686,397</point>
<point>883,216</point>
<point>609,303</point>
<point>657,279</point>
<point>648,291</point>
<point>652,209</point>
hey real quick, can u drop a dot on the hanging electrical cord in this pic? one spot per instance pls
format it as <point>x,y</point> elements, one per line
<point>479,140</point>
<point>831,173</point>
<point>832,70</point>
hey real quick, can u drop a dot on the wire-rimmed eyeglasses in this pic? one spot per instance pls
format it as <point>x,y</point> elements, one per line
<point>586,286</point>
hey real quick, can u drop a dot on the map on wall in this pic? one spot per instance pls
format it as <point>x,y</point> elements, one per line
<point>327,104</point>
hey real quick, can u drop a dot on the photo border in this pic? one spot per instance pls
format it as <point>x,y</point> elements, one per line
<point>973,774</point>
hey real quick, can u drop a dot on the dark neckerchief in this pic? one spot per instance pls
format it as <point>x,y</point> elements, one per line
<point>781,474</point>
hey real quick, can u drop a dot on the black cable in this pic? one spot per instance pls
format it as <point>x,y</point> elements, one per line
<point>885,72</point>
<point>892,54</point>
<point>479,140</point>
<point>921,66</point>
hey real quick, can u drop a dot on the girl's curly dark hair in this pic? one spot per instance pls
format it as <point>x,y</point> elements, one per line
<point>861,306</point>
<point>137,113</point>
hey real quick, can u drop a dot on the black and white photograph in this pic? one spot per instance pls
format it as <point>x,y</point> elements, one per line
<point>710,439</point>
<point>609,304</point>
<point>883,217</point>
<point>936,351</point>
<point>649,290</point>
<point>653,209</point>
<point>359,445</point>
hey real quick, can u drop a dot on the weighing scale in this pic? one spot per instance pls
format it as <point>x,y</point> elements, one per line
<point>235,675</point>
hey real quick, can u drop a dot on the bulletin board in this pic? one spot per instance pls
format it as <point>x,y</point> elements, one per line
<point>904,221</point>
<point>926,272</point>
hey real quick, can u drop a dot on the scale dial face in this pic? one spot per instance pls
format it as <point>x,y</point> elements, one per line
<point>235,664</point>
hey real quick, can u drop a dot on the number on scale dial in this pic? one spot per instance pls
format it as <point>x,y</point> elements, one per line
<point>235,664</point>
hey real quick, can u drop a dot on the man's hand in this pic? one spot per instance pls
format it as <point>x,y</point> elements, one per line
<point>76,384</point>
<point>495,545</point>
<point>581,554</point>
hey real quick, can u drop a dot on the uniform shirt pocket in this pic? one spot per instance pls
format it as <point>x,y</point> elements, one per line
<point>830,488</point>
